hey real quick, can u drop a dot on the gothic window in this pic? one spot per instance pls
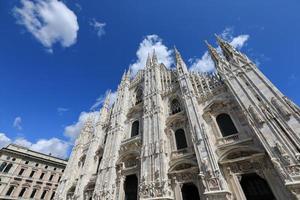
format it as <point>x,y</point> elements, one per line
<point>2,166</point>
<point>175,106</point>
<point>226,125</point>
<point>139,96</point>
<point>180,139</point>
<point>135,128</point>
<point>6,170</point>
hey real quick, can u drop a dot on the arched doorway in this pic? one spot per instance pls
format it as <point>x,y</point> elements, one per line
<point>189,192</point>
<point>256,188</point>
<point>131,187</point>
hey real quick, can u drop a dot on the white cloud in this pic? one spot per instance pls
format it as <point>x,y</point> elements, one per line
<point>53,146</point>
<point>49,21</point>
<point>98,27</point>
<point>72,131</point>
<point>18,123</point>
<point>205,63</point>
<point>100,100</point>
<point>151,42</point>
<point>4,140</point>
<point>62,110</point>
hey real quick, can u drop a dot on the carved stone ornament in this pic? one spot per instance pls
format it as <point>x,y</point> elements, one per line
<point>280,108</point>
<point>155,189</point>
<point>255,115</point>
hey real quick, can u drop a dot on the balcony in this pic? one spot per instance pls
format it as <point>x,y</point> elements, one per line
<point>228,139</point>
<point>232,140</point>
<point>131,144</point>
<point>181,153</point>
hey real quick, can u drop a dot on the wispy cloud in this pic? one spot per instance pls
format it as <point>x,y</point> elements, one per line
<point>98,27</point>
<point>17,124</point>
<point>149,43</point>
<point>100,100</point>
<point>72,131</point>
<point>49,21</point>
<point>205,63</point>
<point>62,110</point>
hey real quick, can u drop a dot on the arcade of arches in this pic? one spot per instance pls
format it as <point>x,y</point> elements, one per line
<point>250,180</point>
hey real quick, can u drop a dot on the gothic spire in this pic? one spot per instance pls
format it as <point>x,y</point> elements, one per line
<point>148,62</point>
<point>124,75</point>
<point>230,52</point>
<point>154,57</point>
<point>107,100</point>
<point>214,54</point>
<point>227,49</point>
<point>180,65</point>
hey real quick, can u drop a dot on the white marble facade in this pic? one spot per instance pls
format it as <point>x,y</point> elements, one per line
<point>177,134</point>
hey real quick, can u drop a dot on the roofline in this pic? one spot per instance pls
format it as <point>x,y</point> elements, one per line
<point>43,154</point>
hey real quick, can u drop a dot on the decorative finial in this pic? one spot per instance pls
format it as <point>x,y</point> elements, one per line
<point>154,57</point>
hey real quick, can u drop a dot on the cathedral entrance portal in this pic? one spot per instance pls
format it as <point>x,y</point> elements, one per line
<point>256,188</point>
<point>131,187</point>
<point>189,192</point>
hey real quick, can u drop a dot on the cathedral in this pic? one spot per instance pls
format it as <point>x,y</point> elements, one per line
<point>174,134</point>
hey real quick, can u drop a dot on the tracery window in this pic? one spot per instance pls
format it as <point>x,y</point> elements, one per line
<point>180,139</point>
<point>226,125</point>
<point>175,106</point>
<point>139,96</point>
<point>135,128</point>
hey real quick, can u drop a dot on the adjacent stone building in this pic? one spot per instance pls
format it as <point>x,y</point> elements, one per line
<point>26,174</point>
<point>177,134</point>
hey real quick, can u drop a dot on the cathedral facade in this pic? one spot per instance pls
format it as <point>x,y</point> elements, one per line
<point>173,134</point>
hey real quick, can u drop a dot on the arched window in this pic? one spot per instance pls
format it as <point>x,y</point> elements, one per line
<point>180,139</point>
<point>139,96</point>
<point>2,166</point>
<point>226,125</point>
<point>135,128</point>
<point>175,106</point>
<point>6,170</point>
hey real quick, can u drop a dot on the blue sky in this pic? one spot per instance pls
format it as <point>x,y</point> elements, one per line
<point>58,57</point>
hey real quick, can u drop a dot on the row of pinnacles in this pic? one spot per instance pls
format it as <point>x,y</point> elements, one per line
<point>176,134</point>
